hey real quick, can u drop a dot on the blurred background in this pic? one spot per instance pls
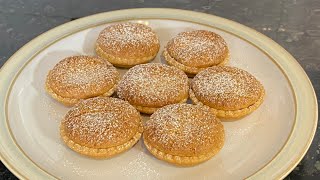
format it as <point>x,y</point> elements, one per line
<point>294,24</point>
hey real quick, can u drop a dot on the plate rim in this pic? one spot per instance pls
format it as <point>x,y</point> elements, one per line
<point>305,97</point>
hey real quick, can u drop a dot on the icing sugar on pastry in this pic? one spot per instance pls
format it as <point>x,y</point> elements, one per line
<point>81,77</point>
<point>153,85</point>
<point>126,34</point>
<point>101,127</point>
<point>127,44</point>
<point>227,88</point>
<point>183,134</point>
<point>198,48</point>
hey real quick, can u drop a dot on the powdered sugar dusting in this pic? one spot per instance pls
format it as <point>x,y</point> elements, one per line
<point>84,75</point>
<point>198,48</point>
<point>184,128</point>
<point>153,83</point>
<point>226,86</point>
<point>123,37</point>
<point>221,84</point>
<point>102,122</point>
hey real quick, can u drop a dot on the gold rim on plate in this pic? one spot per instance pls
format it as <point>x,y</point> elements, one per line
<point>285,160</point>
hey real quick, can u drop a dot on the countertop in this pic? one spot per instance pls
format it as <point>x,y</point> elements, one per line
<point>294,24</point>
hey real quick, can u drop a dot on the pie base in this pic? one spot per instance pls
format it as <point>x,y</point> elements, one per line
<point>151,110</point>
<point>121,62</point>
<point>179,160</point>
<point>230,114</point>
<point>191,71</point>
<point>72,101</point>
<point>99,153</point>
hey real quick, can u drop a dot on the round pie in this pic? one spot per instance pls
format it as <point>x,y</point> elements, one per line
<point>229,91</point>
<point>81,77</point>
<point>101,127</point>
<point>197,50</point>
<point>183,134</point>
<point>151,86</point>
<point>127,44</point>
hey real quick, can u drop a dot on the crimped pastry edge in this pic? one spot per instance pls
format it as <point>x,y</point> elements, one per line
<point>72,101</point>
<point>191,71</point>
<point>151,110</point>
<point>230,114</point>
<point>179,160</point>
<point>100,153</point>
<point>120,62</point>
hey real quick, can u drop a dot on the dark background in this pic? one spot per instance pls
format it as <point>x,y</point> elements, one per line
<point>294,24</point>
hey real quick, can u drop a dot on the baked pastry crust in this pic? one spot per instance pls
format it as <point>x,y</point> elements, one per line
<point>123,62</point>
<point>101,127</point>
<point>73,101</point>
<point>150,110</point>
<point>229,91</point>
<point>183,134</point>
<point>190,71</point>
<point>127,44</point>
<point>81,77</point>
<point>99,153</point>
<point>194,51</point>
<point>179,160</point>
<point>151,86</point>
<point>228,114</point>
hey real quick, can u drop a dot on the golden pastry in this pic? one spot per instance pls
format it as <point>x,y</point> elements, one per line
<point>197,50</point>
<point>127,44</point>
<point>184,134</point>
<point>81,77</point>
<point>151,86</point>
<point>229,91</point>
<point>101,127</point>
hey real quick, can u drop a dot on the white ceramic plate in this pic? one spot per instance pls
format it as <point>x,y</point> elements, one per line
<point>266,144</point>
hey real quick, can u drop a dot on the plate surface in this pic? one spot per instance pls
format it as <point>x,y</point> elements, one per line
<point>259,145</point>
